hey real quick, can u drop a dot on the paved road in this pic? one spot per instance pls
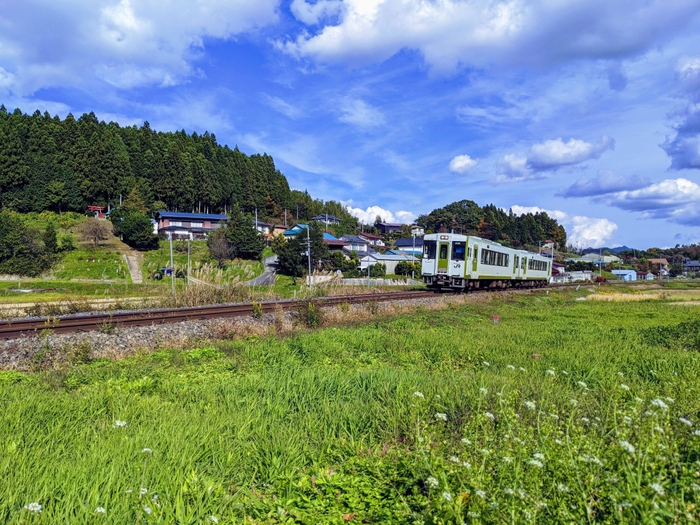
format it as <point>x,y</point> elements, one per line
<point>268,276</point>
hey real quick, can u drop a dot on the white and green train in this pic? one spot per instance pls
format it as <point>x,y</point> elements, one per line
<point>461,262</point>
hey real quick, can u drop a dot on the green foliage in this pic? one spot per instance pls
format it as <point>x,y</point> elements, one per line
<point>135,227</point>
<point>309,315</point>
<point>405,268</point>
<point>290,258</point>
<point>63,165</point>
<point>244,237</point>
<point>437,417</point>
<point>577,266</point>
<point>21,252</point>
<point>257,312</point>
<point>377,270</point>
<point>491,222</point>
<point>219,248</point>
<point>50,239</point>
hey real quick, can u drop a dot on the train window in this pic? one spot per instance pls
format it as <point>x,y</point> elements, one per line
<point>469,253</point>
<point>458,249</point>
<point>540,266</point>
<point>443,251</point>
<point>494,258</point>
<point>429,249</point>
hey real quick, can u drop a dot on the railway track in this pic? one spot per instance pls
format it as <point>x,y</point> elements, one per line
<point>96,321</point>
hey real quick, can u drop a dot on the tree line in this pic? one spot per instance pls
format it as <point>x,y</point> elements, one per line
<point>493,223</point>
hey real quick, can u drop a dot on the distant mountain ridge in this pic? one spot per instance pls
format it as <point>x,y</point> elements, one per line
<point>606,249</point>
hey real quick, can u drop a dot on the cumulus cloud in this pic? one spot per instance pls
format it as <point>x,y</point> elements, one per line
<point>462,164</point>
<point>359,113</point>
<point>606,182</point>
<point>127,44</point>
<point>311,14</point>
<point>677,200</point>
<point>550,155</point>
<point>555,154</point>
<point>367,216</point>
<point>454,33</point>
<point>581,230</point>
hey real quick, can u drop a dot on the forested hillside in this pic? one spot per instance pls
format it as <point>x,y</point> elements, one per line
<point>63,165</point>
<point>493,223</point>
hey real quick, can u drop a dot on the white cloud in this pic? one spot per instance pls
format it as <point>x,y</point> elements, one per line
<point>462,164</point>
<point>310,14</point>
<point>127,44</point>
<point>451,33</point>
<point>514,168</point>
<point>367,216</point>
<point>281,106</point>
<point>359,113</point>
<point>580,230</point>
<point>677,200</point>
<point>554,154</point>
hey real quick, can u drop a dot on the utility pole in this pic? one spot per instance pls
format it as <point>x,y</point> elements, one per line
<point>285,218</point>
<point>368,272</point>
<point>413,254</point>
<point>256,219</point>
<point>308,251</point>
<point>188,262</point>
<point>326,222</point>
<point>172,266</point>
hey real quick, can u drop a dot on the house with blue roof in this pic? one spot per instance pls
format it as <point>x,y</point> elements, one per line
<point>181,225</point>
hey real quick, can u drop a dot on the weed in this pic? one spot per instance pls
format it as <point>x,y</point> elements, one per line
<point>81,353</point>
<point>257,312</point>
<point>309,314</point>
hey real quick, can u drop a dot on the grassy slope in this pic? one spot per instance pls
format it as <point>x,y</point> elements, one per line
<point>324,427</point>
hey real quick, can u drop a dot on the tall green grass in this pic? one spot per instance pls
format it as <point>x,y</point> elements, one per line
<point>565,411</point>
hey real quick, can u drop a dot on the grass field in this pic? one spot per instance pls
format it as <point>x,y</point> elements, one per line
<point>565,411</point>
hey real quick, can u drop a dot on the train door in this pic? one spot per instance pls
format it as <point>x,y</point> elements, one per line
<point>523,265</point>
<point>443,255</point>
<point>475,260</point>
<point>458,259</point>
<point>516,266</point>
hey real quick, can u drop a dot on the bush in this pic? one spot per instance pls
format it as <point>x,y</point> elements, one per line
<point>377,270</point>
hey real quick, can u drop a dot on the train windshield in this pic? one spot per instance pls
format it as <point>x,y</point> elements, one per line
<point>429,249</point>
<point>458,250</point>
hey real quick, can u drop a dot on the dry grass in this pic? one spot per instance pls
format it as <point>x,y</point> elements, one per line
<point>665,295</point>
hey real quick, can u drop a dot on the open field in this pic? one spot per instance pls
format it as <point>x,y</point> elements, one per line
<point>565,411</point>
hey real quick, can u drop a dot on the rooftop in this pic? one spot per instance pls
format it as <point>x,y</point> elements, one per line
<point>184,215</point>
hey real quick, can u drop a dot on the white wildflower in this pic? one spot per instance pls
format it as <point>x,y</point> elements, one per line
<point>147,510</point>
<point>565,372</point>
<point>585,420</point>
<point>624,387</point>
<point>639,400</point>
<point>562,488</point>
<point>466,464</point>
<point>627,446</point>
<point>33,507</point>
<point>441,415</point>
<point>432,482</point>
<point>447,496</point>
<point>558,441</point>
<point>539,456</point>
<point>143,491</point>
<point>507,459</point>
<point>473,514</point>
<point>659,404</point>
<point>489,415</point>
<point>466,441</point>
<point>695,487</point>
<point>696,432</point>
<point>485,451</point>
<point>656,487</point>
<point>685,421</point>
<point>658,429</point>
<point>483,390</point>
<point>553,416</point>
<point>421,439</point>
<point>627,420</point>
<point>551,372</point>
<point>573,402</point>
<point>119,424</point>
<point>591,459</point>
<point>581,384</point>
<point>621,374</point>
<point>100,510</point>
<point>486,363</point>
<point>530,405</point>
<point>455,459</point>
<point>625,504</point>
<point>129,491</point>
<point>480,493</point>
<point>493,505</point>
<point>147,451</point>
<point>521,369</point>
<point>418,394</point>
<point>536,463</point>
<point>510,367</point>
<point>214,519</point>
<point>670,400</point>
<point>509,491</point>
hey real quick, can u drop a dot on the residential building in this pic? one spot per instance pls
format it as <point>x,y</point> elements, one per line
<point>333,243</point>
<point>291,232</point>
<point>372,238</point>
<point>645,276</point>
<point>412,246</point>
<point>355,243</point>
<point>659,266</point>
<point>263,227</point>
<point>326,219</point>
<point>387,227</point>
<point>417,230</point>
<point>691,266</point>
<point>180,225</point>
<point>626,275</point>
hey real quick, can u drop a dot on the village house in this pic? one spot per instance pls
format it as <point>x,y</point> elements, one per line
<point>626,275</point>
<point>326,219</point>
<point>388,260</point>
<point>355,243</point>
<point>413,245</point>
<point>659,266</point>
<point>372,238</point>
<point>180,225</point>
<point>387,227</point>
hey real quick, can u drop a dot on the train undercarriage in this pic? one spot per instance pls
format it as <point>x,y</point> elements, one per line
<point>459,284</point>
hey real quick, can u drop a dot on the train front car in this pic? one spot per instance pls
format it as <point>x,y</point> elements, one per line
<point>445,260</point>
<point>460,262</point>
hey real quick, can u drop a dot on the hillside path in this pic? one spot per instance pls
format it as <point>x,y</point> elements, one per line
<point>268,276</point>
<point>132,262</point>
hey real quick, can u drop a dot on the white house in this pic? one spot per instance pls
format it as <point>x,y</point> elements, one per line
<point>388,260</point>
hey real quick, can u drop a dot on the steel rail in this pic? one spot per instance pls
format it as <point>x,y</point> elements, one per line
<point>96,321</point>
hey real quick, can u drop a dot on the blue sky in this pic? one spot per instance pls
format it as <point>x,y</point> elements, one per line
<point>588,109</point>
